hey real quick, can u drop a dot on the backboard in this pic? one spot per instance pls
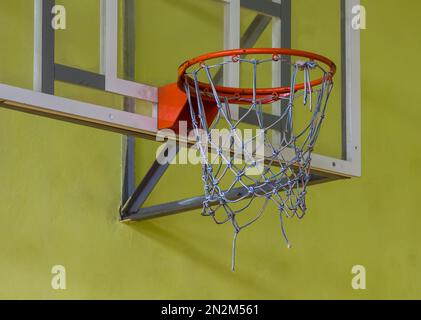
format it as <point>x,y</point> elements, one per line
<point>109,77</point>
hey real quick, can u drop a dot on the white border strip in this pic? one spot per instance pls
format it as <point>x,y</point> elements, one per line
<point>76,110</point>
<point>37,78</point>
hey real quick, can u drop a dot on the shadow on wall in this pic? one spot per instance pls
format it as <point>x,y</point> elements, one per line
<point>197,248</point>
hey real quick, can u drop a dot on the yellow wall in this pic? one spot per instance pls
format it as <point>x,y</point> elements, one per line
<point>60,192</point>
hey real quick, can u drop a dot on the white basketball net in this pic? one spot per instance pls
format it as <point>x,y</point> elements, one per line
<point>233,180</point>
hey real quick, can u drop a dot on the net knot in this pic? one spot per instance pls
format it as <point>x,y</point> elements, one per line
<point>236,58</point>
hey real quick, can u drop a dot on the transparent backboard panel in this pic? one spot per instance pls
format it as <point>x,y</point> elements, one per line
<point>171,32</point>
<point>72,49</point>
<point>166,34</point>
<point>316,27</point>
<point>82,52</point>
<point>16,66</point>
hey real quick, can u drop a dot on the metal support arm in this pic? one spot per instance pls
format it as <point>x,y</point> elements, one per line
<point>149,182</point>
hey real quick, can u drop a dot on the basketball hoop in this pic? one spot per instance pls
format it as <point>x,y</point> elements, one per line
<point>244,95</point>
<point>285,168</point>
